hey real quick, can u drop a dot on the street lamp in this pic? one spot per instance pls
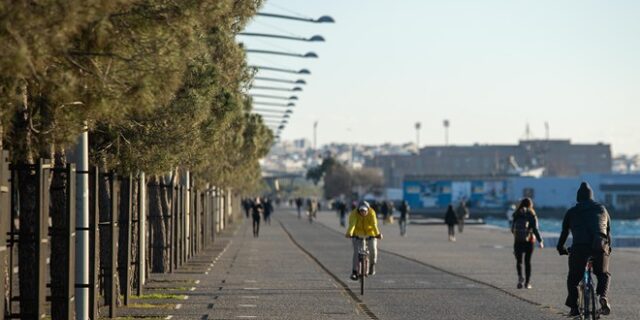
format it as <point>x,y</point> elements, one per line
<point>288,111</point>
<point>267,96</point>
<point>299,81</point>
<point>322,19</point>
<point>418,126</point>
<point>301,71</point>
<point>309,54</point>
<point>276,88</point>
<point>316,38</point>
<point>290,104</point>
<point>446,124</point>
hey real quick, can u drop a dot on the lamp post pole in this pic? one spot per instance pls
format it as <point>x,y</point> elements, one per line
<point>446,124</point>
<point>418,126</point>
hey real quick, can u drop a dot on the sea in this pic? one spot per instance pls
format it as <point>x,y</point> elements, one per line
<point>619,228</point>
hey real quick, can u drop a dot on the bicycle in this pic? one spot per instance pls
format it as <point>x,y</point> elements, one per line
<point>587,294</point>
<point>363,261</point>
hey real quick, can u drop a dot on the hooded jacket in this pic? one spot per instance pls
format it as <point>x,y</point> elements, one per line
<point>586,220</point>
<point>363,226</point>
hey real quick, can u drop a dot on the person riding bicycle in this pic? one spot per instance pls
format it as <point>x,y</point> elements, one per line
<point>589,223</point>
<point>363,223</point>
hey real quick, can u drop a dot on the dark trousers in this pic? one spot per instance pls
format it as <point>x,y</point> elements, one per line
<point>256,225</point>
<point>246,212</point>
<point>460,224</point>
<point>577,262</point>
<point>452,229</point>
<point>267,218</point>
<point>523,251</point>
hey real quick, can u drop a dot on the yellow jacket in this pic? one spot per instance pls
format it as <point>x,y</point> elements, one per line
<point>363,226</point>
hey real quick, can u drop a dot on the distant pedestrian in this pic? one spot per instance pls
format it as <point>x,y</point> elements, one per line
<point>268,210</point>
<point>342,212</point>
<point>524,228</point>
<point>509,214</point>
<point>256,211</point>
<point>384,208</point>
<point>404,217</point>
<point>246,204</point>
<point>463,213</point>
<point>450,219</point>
<point>299,206</point>
<point>312,208</point>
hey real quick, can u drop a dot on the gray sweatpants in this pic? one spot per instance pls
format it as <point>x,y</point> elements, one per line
<point>372,245</point>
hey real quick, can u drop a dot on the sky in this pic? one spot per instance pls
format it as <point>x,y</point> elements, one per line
<point>490,67</point>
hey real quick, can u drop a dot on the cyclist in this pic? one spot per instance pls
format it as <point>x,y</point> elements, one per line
<point>589,223</point>
<point>363,223</point>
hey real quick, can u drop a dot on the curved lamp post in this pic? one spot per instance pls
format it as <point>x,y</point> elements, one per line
<point>288,105</point>
<point>267,96</point>
<point>315,38</point>
<point>276,88</point>
<point>273,111</point>
<point>309,54</point>
<point>301,71</point>
<point>322,19</point>
<point>299,81</point>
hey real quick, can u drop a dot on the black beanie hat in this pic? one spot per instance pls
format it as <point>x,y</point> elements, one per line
<point>584,192</point>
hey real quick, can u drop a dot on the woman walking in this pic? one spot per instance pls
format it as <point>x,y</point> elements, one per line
<point>524,227</point>
<point>450,219</point>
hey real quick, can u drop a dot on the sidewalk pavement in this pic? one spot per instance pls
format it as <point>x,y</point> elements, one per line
<point>298,270</point>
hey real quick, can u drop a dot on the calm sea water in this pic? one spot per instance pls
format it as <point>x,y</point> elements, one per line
<point>618,227</point>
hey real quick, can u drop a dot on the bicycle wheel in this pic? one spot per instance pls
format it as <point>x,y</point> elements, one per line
<point>586,302</point>
<point>592,298</point>
<point>581,298</point>
<point>363,270</point>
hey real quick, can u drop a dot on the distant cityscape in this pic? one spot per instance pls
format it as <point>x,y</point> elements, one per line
<point>488,177</point>
<point>297,156</point>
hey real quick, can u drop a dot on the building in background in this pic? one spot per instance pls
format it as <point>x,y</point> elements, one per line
<point>551,158</point>
<point>491,195</point>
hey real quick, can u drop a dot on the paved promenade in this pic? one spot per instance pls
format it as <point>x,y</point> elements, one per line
<point>298,270</point>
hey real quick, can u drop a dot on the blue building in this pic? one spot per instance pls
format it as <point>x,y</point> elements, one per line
<point>621,193</point>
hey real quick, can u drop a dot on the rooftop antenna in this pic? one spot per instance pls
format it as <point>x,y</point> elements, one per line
<point>527,132</point>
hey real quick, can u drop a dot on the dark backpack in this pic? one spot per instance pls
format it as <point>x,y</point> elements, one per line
<point>521,228</point>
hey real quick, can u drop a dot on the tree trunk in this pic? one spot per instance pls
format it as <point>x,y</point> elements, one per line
<point>22,155</point>
<point>134,234</point>
<point>166,196</point>
<point>123,235</point>
<point>105,236</point>
<point>158,234</point>
<point>59,254</point>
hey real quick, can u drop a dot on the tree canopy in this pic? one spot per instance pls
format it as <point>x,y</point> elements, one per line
<point>160,84</point>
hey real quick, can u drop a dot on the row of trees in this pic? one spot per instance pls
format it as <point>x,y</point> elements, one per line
<point>159,85</point>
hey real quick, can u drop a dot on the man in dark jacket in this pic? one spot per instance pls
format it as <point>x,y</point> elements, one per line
<point>589,224</point>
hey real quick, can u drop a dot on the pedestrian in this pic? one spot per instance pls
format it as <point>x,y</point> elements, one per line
<point>590,225</point>
<point>312,208</point>
<point>384,208</point>
<point>450,219</point>
<point>509,214</point>
<point>404,217</point>
<point>525,233</point>
<point>268,210</point>
<point>299,206</point>
<point>246,204</point>
<point>463,213</point>
<point>256,211</point>
<point>343,213</point>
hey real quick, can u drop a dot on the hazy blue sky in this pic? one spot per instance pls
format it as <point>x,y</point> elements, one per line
<point>488,66</point>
